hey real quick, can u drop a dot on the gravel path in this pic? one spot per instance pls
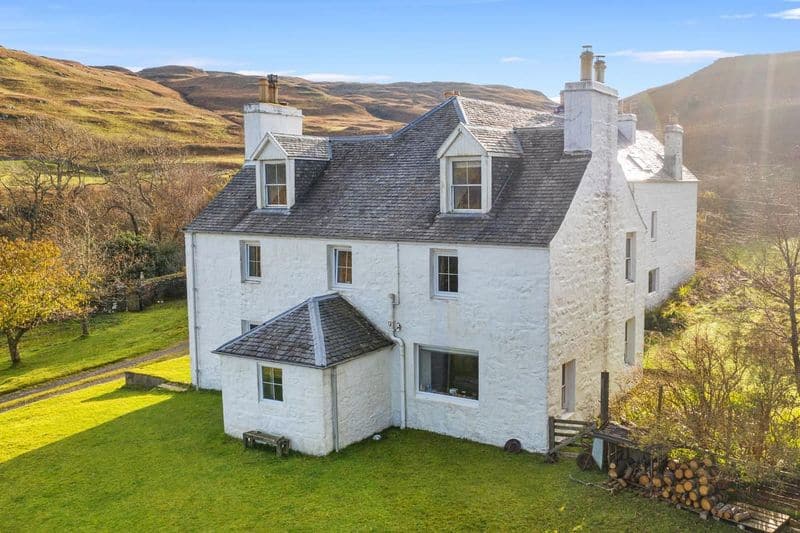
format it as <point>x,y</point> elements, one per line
<point>40,392</point>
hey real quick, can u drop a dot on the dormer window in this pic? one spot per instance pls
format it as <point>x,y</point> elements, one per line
<point>274,189</point>
<point>466,185</point>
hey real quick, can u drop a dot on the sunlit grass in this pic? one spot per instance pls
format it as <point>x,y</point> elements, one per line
<point>176,369</point>
<point>56,350</point>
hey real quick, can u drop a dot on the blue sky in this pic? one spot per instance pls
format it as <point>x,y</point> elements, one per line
<point>525,44</point>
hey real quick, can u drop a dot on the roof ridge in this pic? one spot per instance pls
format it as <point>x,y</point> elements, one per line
<point>303,136</point>
<point>510,106</point>
<point>320,353</point>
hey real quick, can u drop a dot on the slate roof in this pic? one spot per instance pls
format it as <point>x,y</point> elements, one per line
<point>304,146</point>
<point>320,332</point>
<point>498,140</point>
<point>644,159</point>
<point>387,187</point>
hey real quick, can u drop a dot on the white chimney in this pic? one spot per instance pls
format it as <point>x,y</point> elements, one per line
<point>673,151</point>
<point>626,122</point>
<point>268,116</point>
<point>590,112</point>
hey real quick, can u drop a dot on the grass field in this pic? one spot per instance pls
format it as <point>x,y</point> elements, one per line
<point>110,458</point>
<point>56,350</point>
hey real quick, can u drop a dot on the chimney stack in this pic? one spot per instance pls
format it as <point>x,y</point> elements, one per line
<point>262,90</point>
<point>451,93</point>
<point>272,82</point>
<point>600,69</point>
<point>268,116</point>
<point>626,122</point>
<point>673,149</point>
<point>586,63</point>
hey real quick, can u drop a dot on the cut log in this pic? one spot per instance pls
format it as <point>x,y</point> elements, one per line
<point>709,503</point>
<point>693,495</point>
<point>672,464</point>
<point>688,485</point>
<point>688,473</point>
<point>741,516</point>
<point>669,477</point>
<point>644,480</point>
<point>679,473</point>
<point>657,481</point>
<point>694,464</point>
<point>705,490</point>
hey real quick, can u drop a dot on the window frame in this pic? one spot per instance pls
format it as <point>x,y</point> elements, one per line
<point>630,257</point>
<point>248,325</point>
<point>436,291</point>
<point>653,225</point>
<point>334,267</point>
<point>630,342</point>
<point>265,185</point>
<point>441,396</point>
<point>272,382</point>
<point>245,261</point>
<point>568,380</point>
<point>451,162</point>
<point>653,280</point>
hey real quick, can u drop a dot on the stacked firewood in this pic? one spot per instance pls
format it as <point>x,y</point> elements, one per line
<point>693,483</point>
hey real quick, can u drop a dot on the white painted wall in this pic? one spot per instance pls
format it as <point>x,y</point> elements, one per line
<point>261,117</point>
<point>673,250</point>
<point>300,416</point>
<point>501,312</point>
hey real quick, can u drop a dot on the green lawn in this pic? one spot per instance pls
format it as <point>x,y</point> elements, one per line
<point>56,350</point>
<point>107,458</point>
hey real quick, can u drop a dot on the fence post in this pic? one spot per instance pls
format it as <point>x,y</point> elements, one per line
<point>603,398</point>
<point>551,432</point>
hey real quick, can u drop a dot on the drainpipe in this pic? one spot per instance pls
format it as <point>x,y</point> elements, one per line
<point>335,409</point>
<point>395,326</point>
<point>195,327</point>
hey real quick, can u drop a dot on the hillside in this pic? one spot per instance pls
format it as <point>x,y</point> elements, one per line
<point>738,111</point>
<point>332,107</point>
<point>110,101</point>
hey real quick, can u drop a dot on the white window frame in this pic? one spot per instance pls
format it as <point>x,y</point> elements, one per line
<point>265,187</point>
<point>568,375</point>
<point>653,280</point>
<point>630,257</point>
<point>249,325</point>
<point>244,254</point>
<point>261,384</point>
<point>435,292</point>
<point>437,396</point>
<point>630,341</point>
<point>653,225</point>
<point>333,262</point>
<point>451,161</point>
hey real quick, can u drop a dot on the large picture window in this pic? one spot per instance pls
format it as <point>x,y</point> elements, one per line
<point>274,184</point>
<point>272,383</point>
<point>465,186</point>
<point>448,373</point>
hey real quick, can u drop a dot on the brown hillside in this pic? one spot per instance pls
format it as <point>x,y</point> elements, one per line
<point>332,107</point>
<point>110,101</point>
<point>738,111</point>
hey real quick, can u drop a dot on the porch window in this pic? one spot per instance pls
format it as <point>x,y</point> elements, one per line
<point>449,373</point>
<point>272,383</point>
<point>275,184</point>
<point>465,185</point>
<point>568,386</point>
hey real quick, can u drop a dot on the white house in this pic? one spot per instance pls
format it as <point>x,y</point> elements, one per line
<point>470,274</point>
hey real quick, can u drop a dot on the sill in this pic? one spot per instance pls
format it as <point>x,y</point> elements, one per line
<point>446,398</point>
<point>342,287</point>
<point>448,296</point>
<point>464,214</point>
<point>567,415</point>
<point>252,280</point>
<point>630,281</point>
<point>268,401</point>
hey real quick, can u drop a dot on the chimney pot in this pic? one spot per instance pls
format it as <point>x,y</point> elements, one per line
<point>600,69</point>
<point>272,81</point>
<point>262,90</point>
<point>673,150</point>
<point>586,63</point>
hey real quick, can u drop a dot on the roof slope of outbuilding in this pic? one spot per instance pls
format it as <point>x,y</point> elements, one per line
<point>387,187</point>
<point>643,160</point>
<point>320,332</point>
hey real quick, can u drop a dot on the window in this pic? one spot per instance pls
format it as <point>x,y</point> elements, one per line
<point>652,281</point>
<point>630,341</point>
<point>249,325</point>
<point>445,274</point>
<point>653,225</point>
<point>568,386</point>
<point>448,373</point>
<point>274,184</point>
<point>251,261</point>
<point>272,383</point>
<point>465,186</point>
<point>342,266</point>
<point>630,255</point>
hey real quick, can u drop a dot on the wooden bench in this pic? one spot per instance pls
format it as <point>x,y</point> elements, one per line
<point>251,438</point>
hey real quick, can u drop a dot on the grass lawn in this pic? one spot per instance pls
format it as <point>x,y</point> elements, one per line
<point>109,458</point>
<point>56,350</point>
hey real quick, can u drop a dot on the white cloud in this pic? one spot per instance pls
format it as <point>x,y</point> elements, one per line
<point>336,76</point>
<point>738,16</point>
<point>789,14</point>
<point>512,59</point>
<point>247,72</point>
<point>674,56</point>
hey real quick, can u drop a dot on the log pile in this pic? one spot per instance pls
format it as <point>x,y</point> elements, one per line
<point>692,483</point>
